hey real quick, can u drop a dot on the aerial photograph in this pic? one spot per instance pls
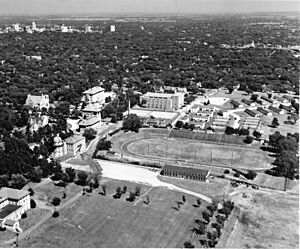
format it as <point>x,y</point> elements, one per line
<point>149,123</point>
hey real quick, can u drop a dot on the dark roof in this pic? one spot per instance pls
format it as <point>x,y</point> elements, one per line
<point>275,109</point>
<point>235,103</point>
<point>186,170</point>
<point>7,210</point>
<point>267,99</point>
<point>250,112</point>
<point>262,110</point>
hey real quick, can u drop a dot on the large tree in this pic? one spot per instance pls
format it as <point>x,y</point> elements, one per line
<point>132,122</point>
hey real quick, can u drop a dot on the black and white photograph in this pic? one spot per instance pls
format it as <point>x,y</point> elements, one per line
<point>149,123</point>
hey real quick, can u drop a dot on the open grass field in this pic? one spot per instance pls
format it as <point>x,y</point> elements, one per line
<point>102,221</point>
<point>47,192</point>
<point>197,152</point>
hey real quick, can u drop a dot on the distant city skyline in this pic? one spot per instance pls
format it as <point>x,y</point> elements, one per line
<point>31,7</point>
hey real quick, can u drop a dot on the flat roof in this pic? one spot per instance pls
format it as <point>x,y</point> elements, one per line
<point>161,95</point>
<point>92,108</point>
<point>7,210</point>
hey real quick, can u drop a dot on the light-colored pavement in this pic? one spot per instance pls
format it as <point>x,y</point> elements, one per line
<point>127,172</point>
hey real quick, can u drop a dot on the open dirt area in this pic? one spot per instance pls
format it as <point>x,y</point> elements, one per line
<point>269,219</point>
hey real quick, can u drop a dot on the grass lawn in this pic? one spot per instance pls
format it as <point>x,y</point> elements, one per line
<point>194,151</point>
<point>214,188</point>
<point>6,235</point>
<point>48,191</point>
<point>33,216</point>
<point>101,221</point>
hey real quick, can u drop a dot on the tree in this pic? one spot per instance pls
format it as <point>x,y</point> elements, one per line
<point>243,132</point>
<point>179,124</point>
<point>55,202</point>
<point>131,197</point>
<point>124,189</point>
<point>114,119</point>
<point>32,203</point>
<point>183,198</point>
<point>275,122</point>
<point>118,193</point>
<point>206,216</point>
<point>103,144</point>
<point>198,202</point>
<point>31,192</point>
<point>17,181</point>
<point>89,134</point>
<point>254,97</point>
<point>82,178</point>
<point>137,190</point>
<point>132,122</point>
<point>256,134</point>
<point>248,140</point>
<point>104,187</point>
<point>71,174</point>
<point>230,89</point>
<point>188,244</point>
<point>251,174</point>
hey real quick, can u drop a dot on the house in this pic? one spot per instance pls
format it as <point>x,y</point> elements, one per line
<point>74,145</point>
<point>185,172</point>
<point>94,95</point>
<point>252,113</point>
<point>38,101</point>
<point>36,122</point>
<point>276,110</point>
<point>13,203</point>
<point>236,104</point>
<point>264,111</point>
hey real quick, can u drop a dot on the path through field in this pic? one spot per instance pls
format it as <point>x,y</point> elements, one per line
<point>127,172</point>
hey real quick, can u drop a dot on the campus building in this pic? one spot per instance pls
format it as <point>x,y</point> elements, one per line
<point>94,95</point>
<point>38,101</point>
<point>13,203</point>
<point>72,146</point>
<point>185,172</point>
<point>163,101</point>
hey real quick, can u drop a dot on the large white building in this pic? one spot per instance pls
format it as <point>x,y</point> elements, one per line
<point>13,203</point>
<point>94,95</point>
<point>38,101</point>
<point>163,101</point>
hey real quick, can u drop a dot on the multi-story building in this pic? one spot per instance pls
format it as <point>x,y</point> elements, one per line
<point>13,203</point>
<point>38,101</point>
<point>74,145</point>
<point>163,101</point>
<point>94,95</point>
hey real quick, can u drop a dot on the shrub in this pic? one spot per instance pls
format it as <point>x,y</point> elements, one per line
<point>24,215</point>
<point>55,214</point>
<point>137,190</point>
<point>236,174</point>
<point>32,203</point>
<point>226,171</point>
<point>251,175</point>
<point>188,244</point>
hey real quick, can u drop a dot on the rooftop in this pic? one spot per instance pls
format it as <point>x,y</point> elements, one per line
<point>7,210</point>
<point>94,90</point>
<point>187,170</point>
<point>90,121</point>
<point>74,139</point>
<point>12,193</point>
<point>161,95</point>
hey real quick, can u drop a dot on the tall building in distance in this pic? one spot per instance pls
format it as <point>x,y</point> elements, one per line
<point>87,29</point>
<point>16,27</point>
<point>33,26</point>
<point>112,28</point>
<point>163,101</point>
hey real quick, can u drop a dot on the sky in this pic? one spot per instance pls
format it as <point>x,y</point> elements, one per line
<point>32,7</point>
